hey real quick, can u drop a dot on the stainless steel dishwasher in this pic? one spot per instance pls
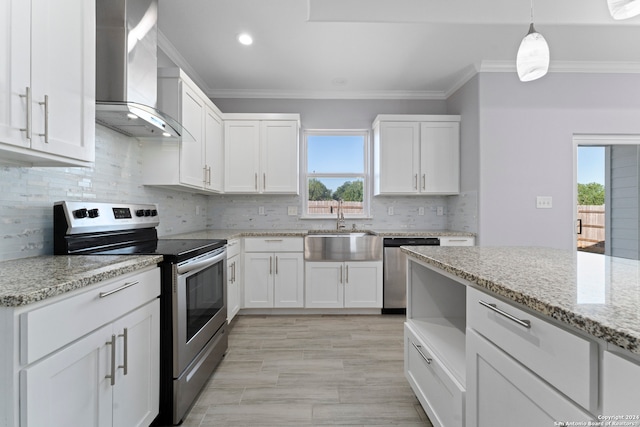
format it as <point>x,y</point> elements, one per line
<point>395,271</point>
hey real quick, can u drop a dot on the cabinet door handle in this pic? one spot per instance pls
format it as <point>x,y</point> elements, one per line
<point>112,375</point>
<point>27,129</point>
<point>113,291</point>
<point>340,274</point>
<point>415,181</point>
<point>209,175</point>
<point>424,181</point>
<point>125,350</point>
<point>234,272</point>
<point>270,265</point>
<point>419,350</point>
<point>347,274</point>
<point>46,119</point>
<point>204,175</point>
<point>256,181</point>
<point>231,273</point>
<point>276,264</point>
<point>493,307</point>
<point>264,181</point>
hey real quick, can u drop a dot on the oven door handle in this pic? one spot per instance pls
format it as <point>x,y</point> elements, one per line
<point>200,264</point>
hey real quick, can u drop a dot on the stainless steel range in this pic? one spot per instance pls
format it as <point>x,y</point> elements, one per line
<point>193,334</point>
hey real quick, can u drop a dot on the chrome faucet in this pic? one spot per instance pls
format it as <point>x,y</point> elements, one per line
<point>340,224</point>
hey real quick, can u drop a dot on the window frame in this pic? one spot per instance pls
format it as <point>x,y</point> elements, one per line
<point>367,188</point>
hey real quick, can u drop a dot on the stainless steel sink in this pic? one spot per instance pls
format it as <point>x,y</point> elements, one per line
<point>342,246</point>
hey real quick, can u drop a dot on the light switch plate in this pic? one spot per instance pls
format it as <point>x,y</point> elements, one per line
<point>544,202</point>
<point>421,210</point>
<point>440,210</point>
<point>260,210</point>
<point>292,210</point>
<point>390,210</point>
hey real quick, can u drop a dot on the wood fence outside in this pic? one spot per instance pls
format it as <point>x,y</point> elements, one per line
<point>331,207</point>
<point>593,226</point>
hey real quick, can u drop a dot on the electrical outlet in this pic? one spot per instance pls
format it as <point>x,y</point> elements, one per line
<point>544,202</point>
<point>390,210</point>
<point>260,210</point>
<point>421,210</point>
<point>440,211</point>
<point>197,210</point>
<point>292,210</point>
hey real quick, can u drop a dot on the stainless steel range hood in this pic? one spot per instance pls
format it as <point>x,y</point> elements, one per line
<point>126,71</point>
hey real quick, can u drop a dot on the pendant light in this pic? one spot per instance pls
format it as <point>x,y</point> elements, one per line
<point>623,9</point>
<point>532,61</point>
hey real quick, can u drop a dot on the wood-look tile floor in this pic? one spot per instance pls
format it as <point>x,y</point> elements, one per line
<point>309,371</point>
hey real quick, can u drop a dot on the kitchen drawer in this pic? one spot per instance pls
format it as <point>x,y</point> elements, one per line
<point>273,244</point>
<point>456,241</point>
<point>440,394</point>
<point>233,247</point>
<point>48,328</point>
<point>565,360</point>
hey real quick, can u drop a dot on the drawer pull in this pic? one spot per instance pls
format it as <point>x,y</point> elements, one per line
<point>113,291</point>
<point>523,323</point>
<point>419,350</point>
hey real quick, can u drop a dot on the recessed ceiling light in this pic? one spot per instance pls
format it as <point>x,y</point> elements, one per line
<point>245,39</point>
<point>132,116</point>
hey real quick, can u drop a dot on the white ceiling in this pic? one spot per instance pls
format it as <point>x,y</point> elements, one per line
<point>383,49</point>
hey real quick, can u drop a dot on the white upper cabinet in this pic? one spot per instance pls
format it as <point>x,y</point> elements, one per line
<point>192,164</point>
<point>416,154</point>
<point>261,153</point>
<point>47,62</point>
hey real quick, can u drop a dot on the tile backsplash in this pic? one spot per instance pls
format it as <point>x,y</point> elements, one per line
<point>28,194</point>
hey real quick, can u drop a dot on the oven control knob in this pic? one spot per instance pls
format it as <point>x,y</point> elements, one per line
<point>140,212</point>
<point>81,213</point>
<point>147,212</point>
<point>154,212</point>
<point>94,213</point>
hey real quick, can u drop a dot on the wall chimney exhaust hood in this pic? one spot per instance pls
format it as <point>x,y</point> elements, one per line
<point>126,71</point>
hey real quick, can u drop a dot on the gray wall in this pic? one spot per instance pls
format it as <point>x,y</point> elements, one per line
<point>526,149</point>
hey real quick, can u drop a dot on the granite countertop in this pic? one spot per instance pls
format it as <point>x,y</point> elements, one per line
<point>234,234</point>
<point>28,280</point>
<point>594,293</point>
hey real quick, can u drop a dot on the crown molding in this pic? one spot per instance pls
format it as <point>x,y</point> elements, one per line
<point>170,50</point>
<point>598,67</point>
<point>292,94</point>
<point>487,66</point>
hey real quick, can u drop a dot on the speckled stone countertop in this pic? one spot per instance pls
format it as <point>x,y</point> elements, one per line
<point>28,280</point>
<point>233,234</point>
<point>594,293</point>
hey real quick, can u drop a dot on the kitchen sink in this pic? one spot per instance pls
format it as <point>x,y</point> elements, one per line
<point>337,245</point>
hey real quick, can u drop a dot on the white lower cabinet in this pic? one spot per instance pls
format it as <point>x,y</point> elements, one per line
<point>108,378</point>
<point>87,358</point>
<point>273,279</point>
<point>621,387</point>
<point>234,279</point>
<point>355,284</point>
<point>503,393</point>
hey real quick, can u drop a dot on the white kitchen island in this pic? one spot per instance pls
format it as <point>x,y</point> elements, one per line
<point>523,336</point>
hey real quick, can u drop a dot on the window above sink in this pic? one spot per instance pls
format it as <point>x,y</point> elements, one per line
<point>336,166</point>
